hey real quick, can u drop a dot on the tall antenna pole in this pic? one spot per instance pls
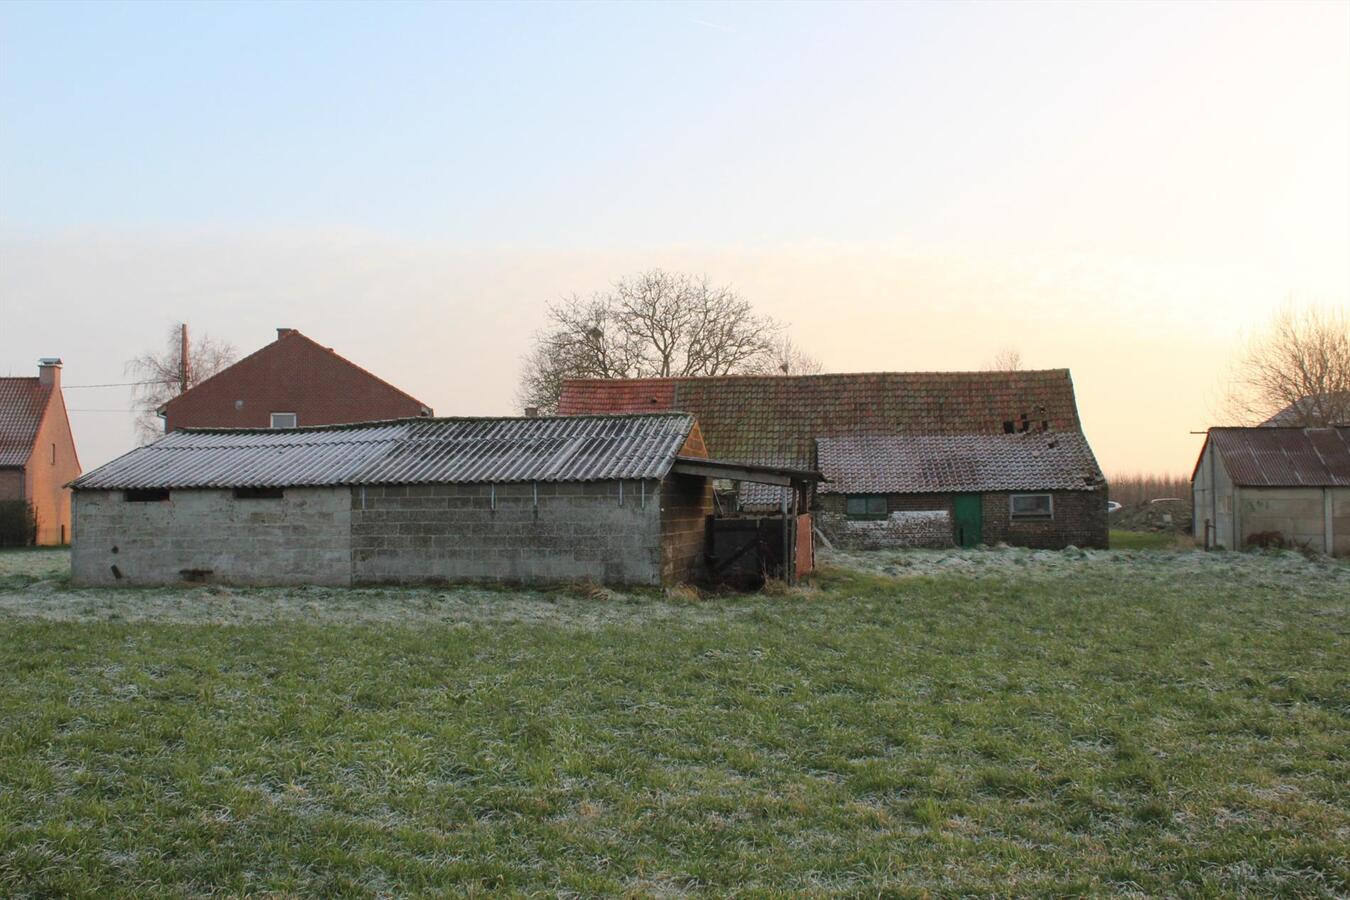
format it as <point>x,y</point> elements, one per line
<point>184,363</point>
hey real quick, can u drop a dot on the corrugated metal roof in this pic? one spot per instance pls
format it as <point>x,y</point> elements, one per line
<point>1284,457</point>
<point>23,403</point>
<point>406,451</point>
<point>922,464</point>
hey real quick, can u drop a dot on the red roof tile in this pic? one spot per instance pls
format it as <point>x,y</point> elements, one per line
<point>23,403</point>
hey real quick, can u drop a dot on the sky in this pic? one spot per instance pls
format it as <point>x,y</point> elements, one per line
<point>1126,190</point>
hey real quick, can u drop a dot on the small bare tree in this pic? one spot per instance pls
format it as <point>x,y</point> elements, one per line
<point>790,359</point>
<point>1009,359</point>
<point>164,375</point>
<point>1300,365</point>
<point>654,325</point>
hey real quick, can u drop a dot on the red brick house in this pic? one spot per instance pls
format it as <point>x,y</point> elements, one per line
<point>291,382</point>
<point>37,450</point>
<point>990,456</point>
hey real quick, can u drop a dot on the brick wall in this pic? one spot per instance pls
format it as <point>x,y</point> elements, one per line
<point>52,465</point>
<point>1079,519</point>
<point>912,520</point>
<point>686,503</point>
<point>302,538</point>
<point>576,532</point>
<point>291,374</point>
<point>905,525</point>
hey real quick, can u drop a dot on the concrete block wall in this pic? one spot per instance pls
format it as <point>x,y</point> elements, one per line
<point>209,535</point>
<point>575,532</point>
<point>686,503</point>
<point>1303,516</point>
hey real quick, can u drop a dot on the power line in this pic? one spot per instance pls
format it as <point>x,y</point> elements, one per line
<point>114,385</point>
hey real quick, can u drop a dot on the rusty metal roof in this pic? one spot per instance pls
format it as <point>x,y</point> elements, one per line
<point>1284,457</point>
<point>23,403</point>
<point>930,463</point>
<point>404,451</point>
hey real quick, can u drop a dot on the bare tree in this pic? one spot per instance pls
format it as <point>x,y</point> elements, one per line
<point>1009,359</point>
<point>164,375</point>
<point>790,359</point>
<point>1299,368</point>
<point>656,324</point>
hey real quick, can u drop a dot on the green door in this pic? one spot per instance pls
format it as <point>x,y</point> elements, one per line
<point>969,519</point>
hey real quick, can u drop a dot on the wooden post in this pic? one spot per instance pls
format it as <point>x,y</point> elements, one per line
<point>184,363</point>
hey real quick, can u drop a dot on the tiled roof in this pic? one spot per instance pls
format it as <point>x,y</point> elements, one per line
<point>1284,457</point>
<point>776,419</point>
<point>23,403</point>
<point>291,374</point>
<point>405,451</point>
<point>936,464</point>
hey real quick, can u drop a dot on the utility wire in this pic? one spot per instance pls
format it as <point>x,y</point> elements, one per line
<point>114,384</point>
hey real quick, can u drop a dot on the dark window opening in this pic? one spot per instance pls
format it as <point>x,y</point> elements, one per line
<point>1008,426</point>
<point>865,506</point>
<point>1031,506</point>
<point>146,495</point>
<point>259,493</point>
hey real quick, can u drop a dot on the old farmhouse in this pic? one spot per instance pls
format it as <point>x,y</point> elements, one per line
<point>293,381</point>
<point>949,458</point>
<point>616,499</point>
<point>1273,486</point>
<point>37,451</point>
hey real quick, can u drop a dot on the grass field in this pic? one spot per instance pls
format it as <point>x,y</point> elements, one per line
<point>1143,540</point>
<point>995,723</point>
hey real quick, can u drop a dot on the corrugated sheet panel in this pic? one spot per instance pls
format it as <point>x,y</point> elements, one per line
<point>408,451</point>
<point>922,464</point>
<point>1285,457</point>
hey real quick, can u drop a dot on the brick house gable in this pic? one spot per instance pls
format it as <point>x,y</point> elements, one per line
<point>37,450</point>
<point>293,374</point>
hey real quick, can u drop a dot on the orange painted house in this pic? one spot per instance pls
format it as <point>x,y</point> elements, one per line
<point>291,382</point>
<point>37,449</point>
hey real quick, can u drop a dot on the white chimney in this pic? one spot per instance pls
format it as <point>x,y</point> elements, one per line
<point>49,371</point>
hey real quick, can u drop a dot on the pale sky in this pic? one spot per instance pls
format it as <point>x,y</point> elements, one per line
<point>1123,190</point>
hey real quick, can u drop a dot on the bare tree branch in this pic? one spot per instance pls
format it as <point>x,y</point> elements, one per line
<point>1298,367</point>
<point>1009,359</point>
<point>655,324</point>
<point>160,374</point>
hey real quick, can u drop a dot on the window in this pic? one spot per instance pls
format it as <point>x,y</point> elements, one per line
<point>146,495</point>
<point>285,420</point>
<point>865,506</point>
<point>53,454</point>
<point>1032,506</point>
<point>259,493</point>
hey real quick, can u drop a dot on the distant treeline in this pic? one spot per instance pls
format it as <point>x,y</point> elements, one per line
<point>1134,488</point>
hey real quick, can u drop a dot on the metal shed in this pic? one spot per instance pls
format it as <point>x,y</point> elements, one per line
<point>1273,486</point>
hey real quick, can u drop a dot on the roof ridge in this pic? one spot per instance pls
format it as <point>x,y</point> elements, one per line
<point>652,379</point>
<point>270,344</point>
<point>379,423</point>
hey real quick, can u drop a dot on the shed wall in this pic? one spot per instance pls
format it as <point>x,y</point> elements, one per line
<point>1213,497</point>
<point>1079,519</point>
<point>576,532</point>
<point>686,503</point>
<point>1299,515</point>
<point>303,538</point>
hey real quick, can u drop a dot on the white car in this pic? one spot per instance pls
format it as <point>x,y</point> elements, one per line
<point>1112,506</point>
